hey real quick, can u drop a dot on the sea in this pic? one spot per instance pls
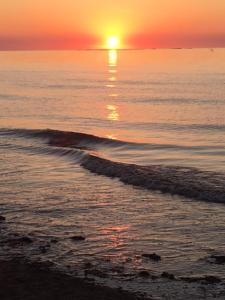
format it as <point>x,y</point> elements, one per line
<point>109,156</point>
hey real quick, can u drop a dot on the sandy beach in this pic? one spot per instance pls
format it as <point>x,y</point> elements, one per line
<point>21,280</point>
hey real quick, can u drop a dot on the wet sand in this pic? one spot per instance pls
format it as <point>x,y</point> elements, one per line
<point>21,280</point>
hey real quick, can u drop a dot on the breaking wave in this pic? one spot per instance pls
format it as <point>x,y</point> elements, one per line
<point>176,180</point>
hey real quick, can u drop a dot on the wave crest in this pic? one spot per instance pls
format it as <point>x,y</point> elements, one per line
<point>176,180</point>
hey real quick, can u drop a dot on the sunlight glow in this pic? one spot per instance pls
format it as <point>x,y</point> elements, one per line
<point>113,42</point>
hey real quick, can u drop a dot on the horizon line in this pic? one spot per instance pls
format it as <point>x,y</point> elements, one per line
<point>116,49</point>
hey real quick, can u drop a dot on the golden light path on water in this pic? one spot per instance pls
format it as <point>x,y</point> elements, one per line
<point>112,108</point>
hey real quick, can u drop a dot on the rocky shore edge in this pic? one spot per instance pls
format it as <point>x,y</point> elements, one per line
<point>22,278</point>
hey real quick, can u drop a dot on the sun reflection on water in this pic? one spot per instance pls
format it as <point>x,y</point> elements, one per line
<point>113,95</point>
<point>113,113</point>
<point>111,136</point>
<point>110,85</point>
<point>113,57</point>
<point>112,109</point>
<point>112,71</point>
<point>113,78</point>
<point>116,235</point>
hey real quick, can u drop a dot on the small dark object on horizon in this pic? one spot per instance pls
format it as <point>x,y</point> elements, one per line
<point>152,256</point>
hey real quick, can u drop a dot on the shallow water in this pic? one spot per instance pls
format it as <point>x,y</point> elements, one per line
<point>166,108</point>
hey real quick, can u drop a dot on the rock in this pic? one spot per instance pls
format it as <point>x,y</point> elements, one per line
<point>44,249</point>
<point>117,269</point>
<point>128,260</point>
<point>96,272</point>
<point>218,259</point>
<point>18,241</point>
<point>54,241</point>
<point>152,256</point>
<point>212,279</point>
<point>78,238</point>
<point>144,274</point>
<point>88,265</point>
<point>2,219</point>
<point>26,240</point>
<point>204,279</point>
<point>91,280</point>
<point>191,279</point>
<point>168,275</point>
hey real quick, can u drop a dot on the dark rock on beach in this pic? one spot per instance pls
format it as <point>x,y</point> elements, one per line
<point>78,238</point>
<point>19,241</point>
<point>117,269</point>
<point>2,219</point>
<point>211,279</point>
<point>203,279</point>
<point>144,274</point>
<point>152,256</point>
<point>54,241</point>
<point>218,259</point>
<point>88,265</point>
<point>44,248</point>
<point>26,239</point>
<point>168,276</point>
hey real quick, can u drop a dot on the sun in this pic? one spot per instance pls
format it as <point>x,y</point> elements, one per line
<point>113,42</point>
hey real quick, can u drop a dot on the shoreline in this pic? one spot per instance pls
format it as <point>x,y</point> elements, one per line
<point>23,280</point>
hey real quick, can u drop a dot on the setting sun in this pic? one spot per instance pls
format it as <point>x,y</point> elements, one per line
<point>113,42</point>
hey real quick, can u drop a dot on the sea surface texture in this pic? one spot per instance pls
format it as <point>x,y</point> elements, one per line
<point>125,149</point>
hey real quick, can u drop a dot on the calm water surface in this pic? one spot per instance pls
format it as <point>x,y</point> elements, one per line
<point>170,106</point>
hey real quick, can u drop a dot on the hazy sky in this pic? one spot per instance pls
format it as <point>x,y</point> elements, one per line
<point>67,24</point>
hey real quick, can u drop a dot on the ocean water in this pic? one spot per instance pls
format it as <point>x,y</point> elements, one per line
<point>124,147</point>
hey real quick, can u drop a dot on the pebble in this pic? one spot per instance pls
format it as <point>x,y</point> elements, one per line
<point>144,274</point>
<point>205,279</point>
<point>168,275</point>
<point>2,219</point>
<point>78,238</point>
<point>218,259</point>
<point>152,256</point>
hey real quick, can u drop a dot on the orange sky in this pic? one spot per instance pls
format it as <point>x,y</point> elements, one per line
<point>76,24</point>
